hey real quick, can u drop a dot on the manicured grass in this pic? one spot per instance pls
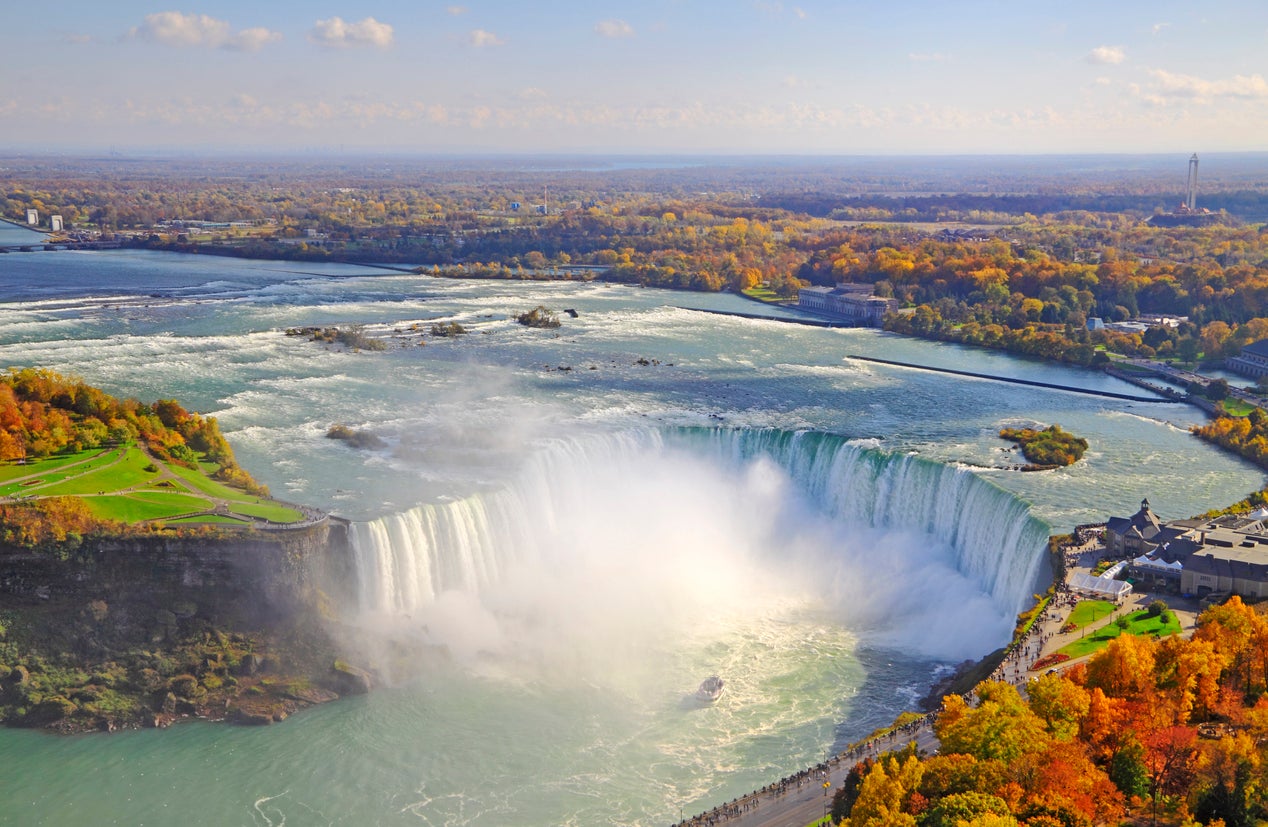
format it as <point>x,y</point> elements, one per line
<point>1236,407</point>
<point>115,485</point>
<point>1089,611</point>
<point>60,468</point>
<point>13,470</point>
<point>208,486</point>
<point>128,509</point>
<point>267,511</point>
<point>181,503</point>
<point>125,474</point>
<point>764,294</point>
<point>210,518</point>
<point>1140,624</point>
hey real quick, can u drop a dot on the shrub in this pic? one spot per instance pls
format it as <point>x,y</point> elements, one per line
<point>183,686</point>
<point>1156,608</point>
<point>539,316</point>
<point>448,330</point>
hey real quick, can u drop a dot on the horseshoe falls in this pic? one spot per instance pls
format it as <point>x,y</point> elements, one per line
<point>695,506</point>
<point>548,562</point>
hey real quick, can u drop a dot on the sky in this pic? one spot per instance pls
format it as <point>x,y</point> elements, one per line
<point>806,77</point>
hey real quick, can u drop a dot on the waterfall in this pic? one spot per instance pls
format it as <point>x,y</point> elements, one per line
<point>404,561</point>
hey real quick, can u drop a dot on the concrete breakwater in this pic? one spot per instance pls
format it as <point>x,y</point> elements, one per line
<point>1012,380</point>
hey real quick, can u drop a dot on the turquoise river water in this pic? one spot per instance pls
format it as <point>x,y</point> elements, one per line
<point>589,520</point>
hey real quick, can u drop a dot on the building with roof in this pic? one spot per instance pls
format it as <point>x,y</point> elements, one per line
<point>854,303</point>
<point>1132,535</point>
<point>1227,554</point>
<point>1252,361</point>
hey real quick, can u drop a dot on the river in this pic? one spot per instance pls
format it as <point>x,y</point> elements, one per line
<point>588,520</point>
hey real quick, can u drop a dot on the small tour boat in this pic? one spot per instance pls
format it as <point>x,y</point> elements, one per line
<point>710,689</point>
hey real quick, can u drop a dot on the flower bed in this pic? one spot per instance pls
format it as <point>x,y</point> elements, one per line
<point>1049,660</point>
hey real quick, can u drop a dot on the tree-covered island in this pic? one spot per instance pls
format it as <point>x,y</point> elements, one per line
<point>1051,447</point>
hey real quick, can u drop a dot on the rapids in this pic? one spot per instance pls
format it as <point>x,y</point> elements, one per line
<point>586,522</point>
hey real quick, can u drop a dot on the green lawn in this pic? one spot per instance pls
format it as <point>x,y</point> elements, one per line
<point>181,503</point>
<point>208,486</point>
<point>1140,624</point>
<point>129,509</point>
<point>55,469</point>
<point>115,485</point>
<point>764,294</point>
<point>1089,611</point>
<point>125,474</point>
<point>267,511</point>
<point>210,518</point>
<point>1236,407</point>
<point>13,470</point>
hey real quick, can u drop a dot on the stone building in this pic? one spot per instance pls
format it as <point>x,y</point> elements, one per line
<point>1252,361</point>
<point>1222,555</point>
<point>852,302</point>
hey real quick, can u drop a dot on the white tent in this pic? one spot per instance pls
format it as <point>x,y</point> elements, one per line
<point>1144,561</point>
<point>1100,586</point>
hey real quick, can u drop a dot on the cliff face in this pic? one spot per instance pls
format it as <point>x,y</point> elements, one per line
<point>251,578</point>
<point>143,631</point>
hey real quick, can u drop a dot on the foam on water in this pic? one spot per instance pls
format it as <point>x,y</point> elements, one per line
<point>639,557</point>
<point>688,525</point>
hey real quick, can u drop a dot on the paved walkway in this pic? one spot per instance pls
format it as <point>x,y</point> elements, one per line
<point>801,798</point>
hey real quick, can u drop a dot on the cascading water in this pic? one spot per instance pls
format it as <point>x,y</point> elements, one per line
<point>867,516</point>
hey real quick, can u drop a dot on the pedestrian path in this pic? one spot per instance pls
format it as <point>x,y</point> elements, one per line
<point>806,796</point>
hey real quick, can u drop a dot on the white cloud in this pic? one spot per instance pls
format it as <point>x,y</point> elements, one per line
<point>175,28</point>
<point>1170,85</point>
<point>531,93</point>
<point>78,38</point>
<point>1106,55</point>
<point>799,12</point>
<point>480,38</point>
<point>335,33</point>
<point>1102,81</point>
<point>614,28</point>
<point>1157,27</point>
<point>252,40</point>
<point>456,10</point>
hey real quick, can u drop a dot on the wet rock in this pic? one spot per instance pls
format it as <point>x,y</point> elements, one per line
<point>311,694</point>
<point>249,665</point>
<point>253,718</point>
<point>349,680</point>
<point>51,710</point>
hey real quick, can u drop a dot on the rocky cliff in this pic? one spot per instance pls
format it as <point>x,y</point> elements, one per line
<point>132,631</point>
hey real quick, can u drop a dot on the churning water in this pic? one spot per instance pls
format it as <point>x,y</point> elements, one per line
<point>586,522</point>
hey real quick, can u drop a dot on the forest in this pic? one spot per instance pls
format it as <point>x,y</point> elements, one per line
<point>1014,254</point>
<point>1162,731</point>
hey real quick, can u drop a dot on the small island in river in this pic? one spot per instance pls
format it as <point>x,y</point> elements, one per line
<point>1051,447</point>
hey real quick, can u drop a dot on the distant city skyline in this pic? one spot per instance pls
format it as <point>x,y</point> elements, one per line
<point>662,76</point>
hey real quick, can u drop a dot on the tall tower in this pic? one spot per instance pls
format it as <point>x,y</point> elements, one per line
<point>1192,200</point>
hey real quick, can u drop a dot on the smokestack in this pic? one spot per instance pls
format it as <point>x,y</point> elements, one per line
<point>1192,200</point>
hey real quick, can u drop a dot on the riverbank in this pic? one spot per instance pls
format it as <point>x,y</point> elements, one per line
<point>805,797</point>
